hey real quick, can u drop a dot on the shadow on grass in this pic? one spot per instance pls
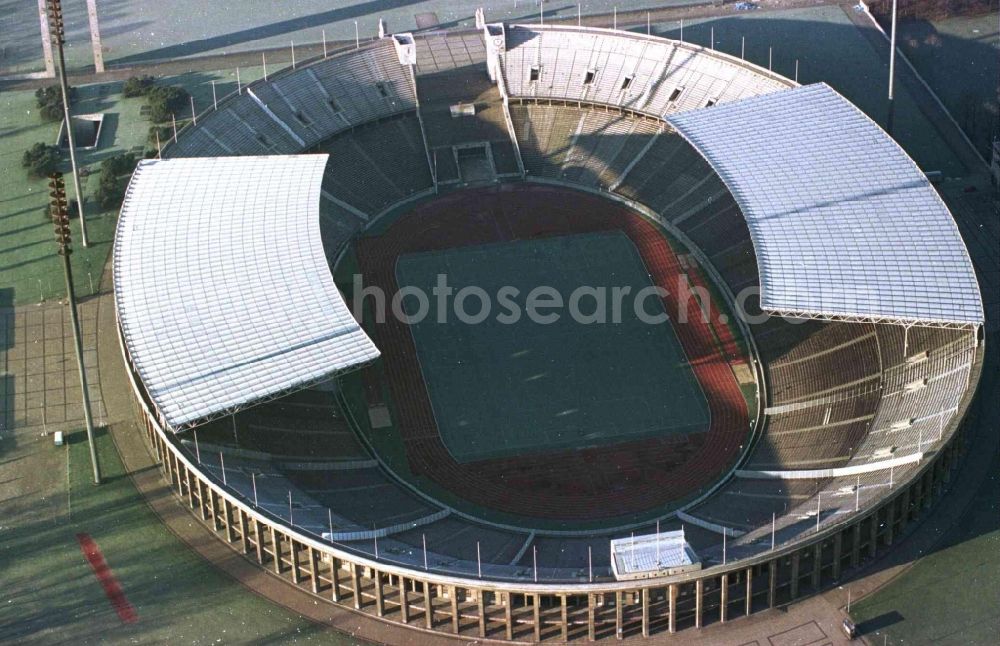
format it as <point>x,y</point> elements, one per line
<point>880,622</point>
<point>55,597</point>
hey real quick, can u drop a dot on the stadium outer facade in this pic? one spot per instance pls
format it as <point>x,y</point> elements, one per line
<point>470,605</point>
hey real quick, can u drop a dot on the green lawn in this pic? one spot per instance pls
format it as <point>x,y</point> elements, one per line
<point>28,262</point>
<point>958,59</point>
<point>951,595</point>
<point>502,388</point>
<point>51,595</point>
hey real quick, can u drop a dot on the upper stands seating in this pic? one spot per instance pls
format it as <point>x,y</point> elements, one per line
<point>239,127</point>
<point>623,69</point>
<point>339,92</point>
<point>300,108</point>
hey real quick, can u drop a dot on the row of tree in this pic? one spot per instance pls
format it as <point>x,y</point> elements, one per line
<point>43,159</point>
<point>164,101</point>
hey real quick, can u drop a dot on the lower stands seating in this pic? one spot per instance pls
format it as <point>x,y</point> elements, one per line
<point>745,504</point>
<point>337,225</point>
<point>458,538</point>
<point>306,425</point>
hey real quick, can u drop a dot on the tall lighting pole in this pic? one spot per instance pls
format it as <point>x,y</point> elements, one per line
<point>892,69</point>
<point>57,32</point>
<point>60,221</point>
<point>892,51</point>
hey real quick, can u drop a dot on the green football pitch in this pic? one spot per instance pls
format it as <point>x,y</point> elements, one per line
<point>501,388</point>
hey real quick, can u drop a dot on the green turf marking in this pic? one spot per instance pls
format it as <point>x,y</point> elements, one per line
<point>502,389</point>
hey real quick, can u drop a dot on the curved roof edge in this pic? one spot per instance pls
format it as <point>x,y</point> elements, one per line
<point>223,294</point>
<point>844,224</point>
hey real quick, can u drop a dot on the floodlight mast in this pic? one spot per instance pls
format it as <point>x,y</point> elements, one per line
<point>57,32</point>
<point>60,221</point>
<point>892,51</point>
<point>892,71</point>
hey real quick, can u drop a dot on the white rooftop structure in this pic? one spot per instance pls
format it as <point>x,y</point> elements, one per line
<point>661,554</point>
<point>222,289</point>
<point>844,224</point>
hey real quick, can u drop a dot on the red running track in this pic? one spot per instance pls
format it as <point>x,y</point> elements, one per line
<point>588,483</point>
<point>107,579</point>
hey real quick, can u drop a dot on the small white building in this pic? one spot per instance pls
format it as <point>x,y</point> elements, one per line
<point>652,555</point>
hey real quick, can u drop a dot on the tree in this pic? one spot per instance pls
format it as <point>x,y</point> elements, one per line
<point>164,101</point>
<point>138,86</point>
<point>41,160</point>
<point>111,183</point>
<point>163,132</point>
<point>50,104</point>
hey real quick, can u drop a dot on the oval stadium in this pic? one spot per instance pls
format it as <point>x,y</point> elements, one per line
<point>546,332</point>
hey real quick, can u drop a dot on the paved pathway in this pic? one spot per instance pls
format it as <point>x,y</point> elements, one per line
<point>39,395</point>
<point>40,384</point>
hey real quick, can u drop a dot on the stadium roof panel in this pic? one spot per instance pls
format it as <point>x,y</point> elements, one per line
<point>222,288</point>
<point>844,224</point>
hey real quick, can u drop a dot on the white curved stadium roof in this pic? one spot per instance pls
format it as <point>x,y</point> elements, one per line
<point>844,224</point>
<point>222,289</point>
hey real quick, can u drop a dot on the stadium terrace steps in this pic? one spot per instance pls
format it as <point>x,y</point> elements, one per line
<point>301,426</point>
<point>919,399</point>
<point>337,226</point>
<point>739,506</point>
<point>340,92</point>
<point>801,375</point>
<point>653,76</point>
<point>900,409</point>
<point>586,147</point>
<point>457,538</point>
<point>371,170</point>
<point>367,83</point>
<point>668,169</point>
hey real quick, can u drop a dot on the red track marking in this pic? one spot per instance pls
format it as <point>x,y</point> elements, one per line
<point>107,579</point>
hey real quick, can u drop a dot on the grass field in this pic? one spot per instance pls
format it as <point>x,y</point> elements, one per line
<point>50,594</point>
<point>958,58</point>
<point>28,262</point>
<point>502,389</point>
<point>951,595</point>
